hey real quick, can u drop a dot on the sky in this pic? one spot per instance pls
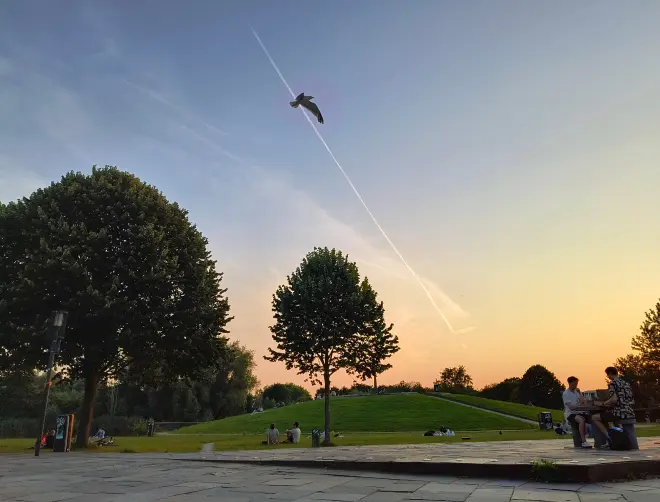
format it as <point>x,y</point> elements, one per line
<point>508,149</point>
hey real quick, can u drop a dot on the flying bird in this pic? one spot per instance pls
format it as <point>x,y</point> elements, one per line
<point>306,102</point>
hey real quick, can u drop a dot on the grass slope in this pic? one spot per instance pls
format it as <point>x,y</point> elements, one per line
<point>394,413</point>
<point>193,443</point>
<point>514,409</point>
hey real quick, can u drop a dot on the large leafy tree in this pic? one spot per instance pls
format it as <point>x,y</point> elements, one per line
<point>541,387</point>
<point>642,368</point>
<point>135,275</point>
<point>377,343</point>
<point>456,379</point>
<point>319,314</point>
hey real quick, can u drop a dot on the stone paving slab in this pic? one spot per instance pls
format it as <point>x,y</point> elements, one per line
<point>160,478</point>
<point>497,459</point>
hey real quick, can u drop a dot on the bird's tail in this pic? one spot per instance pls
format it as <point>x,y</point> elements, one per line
<point>294,104</point>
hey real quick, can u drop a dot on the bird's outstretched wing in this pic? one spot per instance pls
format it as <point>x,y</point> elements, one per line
<point>300,96</point>
<point>314,110</point>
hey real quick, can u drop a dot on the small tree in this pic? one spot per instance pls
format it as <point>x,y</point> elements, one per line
<point>541,387</point>
<point>377,343</point>
<point>456,379</point>
<point>135,275</point>
<point>318,314</point>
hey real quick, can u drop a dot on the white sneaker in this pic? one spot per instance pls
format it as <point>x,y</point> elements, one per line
<point>586,445</point>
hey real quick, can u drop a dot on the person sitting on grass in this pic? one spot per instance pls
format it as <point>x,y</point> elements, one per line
<point>293,435</point>
<point>272,435</point>
<point>573,398</point>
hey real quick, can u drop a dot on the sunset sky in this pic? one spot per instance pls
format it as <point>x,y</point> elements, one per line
<point>509,149</point>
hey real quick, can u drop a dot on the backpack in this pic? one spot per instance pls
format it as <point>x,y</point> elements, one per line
<point>620,439</point>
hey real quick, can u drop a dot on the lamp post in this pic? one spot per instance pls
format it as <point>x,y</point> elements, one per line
<point>57,329</point>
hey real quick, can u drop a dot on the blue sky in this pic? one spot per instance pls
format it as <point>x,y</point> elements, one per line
<point>508,148</point>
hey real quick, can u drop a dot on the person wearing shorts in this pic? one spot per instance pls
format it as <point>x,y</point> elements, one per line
<point>618,407</point>
<point>573,398</point>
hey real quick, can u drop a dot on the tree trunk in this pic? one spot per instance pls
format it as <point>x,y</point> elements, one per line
<point>87,411</point>
<point>326,427</point>
<point>376,384</point>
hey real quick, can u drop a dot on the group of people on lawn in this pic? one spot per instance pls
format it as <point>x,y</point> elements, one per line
<point>292,435</point>
<point>617,408</point>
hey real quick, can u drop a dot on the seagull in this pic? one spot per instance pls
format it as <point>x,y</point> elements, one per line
<point>306,102</point>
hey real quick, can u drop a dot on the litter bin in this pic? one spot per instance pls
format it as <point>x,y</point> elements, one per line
<point>545,420</point>
<point>316,438</point>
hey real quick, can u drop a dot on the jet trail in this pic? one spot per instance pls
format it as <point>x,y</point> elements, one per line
<point>355,190</point>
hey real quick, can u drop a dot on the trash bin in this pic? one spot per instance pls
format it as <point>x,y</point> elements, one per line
<point>545,420</point>
<point>316,438</point>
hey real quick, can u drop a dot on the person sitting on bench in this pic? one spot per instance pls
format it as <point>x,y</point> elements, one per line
<point>573,398</point>
<point>619,405</point>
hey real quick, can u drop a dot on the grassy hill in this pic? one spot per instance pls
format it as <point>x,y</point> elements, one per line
<point>393,413</point>
<point>514,409</point>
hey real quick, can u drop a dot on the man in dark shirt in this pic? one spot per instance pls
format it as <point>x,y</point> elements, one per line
<point>619,405</point>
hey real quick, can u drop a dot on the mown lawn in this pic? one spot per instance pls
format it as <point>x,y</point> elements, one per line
<point>393,413</point>
<point>192,442</point>
<point>515,409</point>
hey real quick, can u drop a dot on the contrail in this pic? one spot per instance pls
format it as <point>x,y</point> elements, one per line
<point>355,190</point>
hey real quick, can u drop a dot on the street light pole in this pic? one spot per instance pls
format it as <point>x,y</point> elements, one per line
<point>57,329</point>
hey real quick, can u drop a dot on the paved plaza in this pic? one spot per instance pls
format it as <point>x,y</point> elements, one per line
<point>503,452</point>
<point>509,459</point>
<point>113,477</point>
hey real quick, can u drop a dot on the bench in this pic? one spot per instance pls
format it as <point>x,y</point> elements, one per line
<point>628,427</point>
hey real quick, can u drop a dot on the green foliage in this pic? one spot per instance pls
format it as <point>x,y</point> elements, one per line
<point>506,390</point>
<point>647,343</point>
<point>642,369</point>
<point>321,314</point>
<point>377,343</point>
<point>135,275</point>
<point>540,387</point>
<point>217,392</point>
<point>455,379</point>
<point>392,413</point>
<point>317,314</point>
<point>545,470</point>
<point>286,393</point>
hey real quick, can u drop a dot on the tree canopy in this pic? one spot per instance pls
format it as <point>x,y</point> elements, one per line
<point>377,343</point>
<point>457,379</point>
<point>286,393</point>
<point>506,390</point>
<point>133,272</point>
<point>541,387</point>
<point>642,368</point>
<point>320,314</point>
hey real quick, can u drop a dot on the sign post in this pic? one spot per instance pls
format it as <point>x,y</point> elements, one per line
<point>64,433</point>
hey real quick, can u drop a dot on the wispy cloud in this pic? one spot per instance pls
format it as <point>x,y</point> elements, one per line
<point>185,113</point>
<point>310,225</point>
